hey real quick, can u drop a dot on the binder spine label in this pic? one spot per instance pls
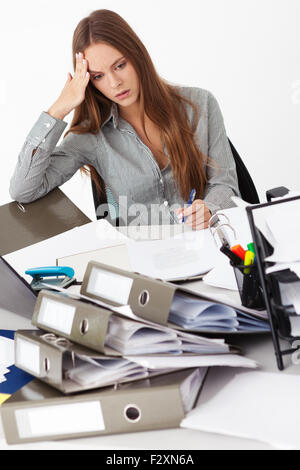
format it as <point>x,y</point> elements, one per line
<point>56,315</point>
<point>54,420</point>
<point>28,356</point>
<point>110,286</point>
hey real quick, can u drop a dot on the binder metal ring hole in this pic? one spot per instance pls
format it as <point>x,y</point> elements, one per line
<point>62,342</point>
<point>144,298</point>
<point>84,326</point>
<point>49,337</point>
<point>132,413</point>
<point>46,365</point>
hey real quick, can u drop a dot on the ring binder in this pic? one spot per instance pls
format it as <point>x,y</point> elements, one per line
<point>112,330</point>
<point>38,412</point>
<point>53,360</point>
<point>25,224</point>
<point>149,298</point>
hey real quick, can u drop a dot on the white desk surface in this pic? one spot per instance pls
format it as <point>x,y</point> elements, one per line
<point>257,347</point>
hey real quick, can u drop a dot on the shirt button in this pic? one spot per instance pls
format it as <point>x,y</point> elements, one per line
<point>166,203</point>
<point>44,140</point>
<point>47,124</point>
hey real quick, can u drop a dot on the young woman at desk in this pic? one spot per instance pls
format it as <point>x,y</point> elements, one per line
<point>151,142</point>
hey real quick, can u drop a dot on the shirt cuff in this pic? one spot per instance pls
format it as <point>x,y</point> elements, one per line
<point>46,131</point>
<point>212,207</point>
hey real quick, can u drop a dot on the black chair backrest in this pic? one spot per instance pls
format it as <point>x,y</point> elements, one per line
<point>246,185</point>
<point>99,199</point>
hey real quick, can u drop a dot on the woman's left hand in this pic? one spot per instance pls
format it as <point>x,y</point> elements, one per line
<point>197,214</point>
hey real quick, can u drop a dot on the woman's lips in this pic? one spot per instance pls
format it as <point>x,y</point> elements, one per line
<point>123,95</point>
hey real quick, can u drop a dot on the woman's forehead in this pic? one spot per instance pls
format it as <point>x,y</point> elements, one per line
<point>101,56</point>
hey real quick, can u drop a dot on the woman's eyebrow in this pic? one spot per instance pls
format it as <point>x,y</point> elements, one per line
<point>115,62</point>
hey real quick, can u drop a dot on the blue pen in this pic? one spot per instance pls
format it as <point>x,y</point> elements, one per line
<point>190,201</point>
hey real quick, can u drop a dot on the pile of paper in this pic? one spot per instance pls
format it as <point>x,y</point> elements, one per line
<point>254,405</point>
<point>7,356</point>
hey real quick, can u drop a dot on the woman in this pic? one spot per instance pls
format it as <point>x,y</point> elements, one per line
<point>150,142</point>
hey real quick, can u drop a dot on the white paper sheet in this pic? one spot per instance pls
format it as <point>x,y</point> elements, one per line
<point>175,362</point>
<point>222,275</point>
<point>256,405</point>
<point>185,255</point>
<point>295,267</point>
<point>7,352</point>
<point>280,224</point>
<point>91,236</point>
<point>189,312</point>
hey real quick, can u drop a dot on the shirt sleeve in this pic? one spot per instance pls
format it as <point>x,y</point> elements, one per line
<point>50,166</point>
<point>221,170</point>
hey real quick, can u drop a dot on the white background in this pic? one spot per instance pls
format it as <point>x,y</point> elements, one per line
<point>246,52</point>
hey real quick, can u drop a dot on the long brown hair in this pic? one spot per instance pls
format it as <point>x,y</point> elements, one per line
<point>161,102</point>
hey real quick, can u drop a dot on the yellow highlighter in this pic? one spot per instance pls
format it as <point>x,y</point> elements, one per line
<point>249,259</point>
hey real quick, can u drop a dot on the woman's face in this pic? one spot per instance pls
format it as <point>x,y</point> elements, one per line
<point>111,73</point>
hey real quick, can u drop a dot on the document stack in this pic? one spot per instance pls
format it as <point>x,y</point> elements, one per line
<point>102,369</point>
<point>82,345</point>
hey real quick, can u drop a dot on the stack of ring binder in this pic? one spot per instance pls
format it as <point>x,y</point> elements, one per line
<point>68,347</point>
<point>84,386</point>
<point>53,405</point>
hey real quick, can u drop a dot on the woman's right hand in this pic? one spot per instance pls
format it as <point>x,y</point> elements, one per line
<point>73,92</point>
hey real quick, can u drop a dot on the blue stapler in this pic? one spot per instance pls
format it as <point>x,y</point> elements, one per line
<point>59,276</point>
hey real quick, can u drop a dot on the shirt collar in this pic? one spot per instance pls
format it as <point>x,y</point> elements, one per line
<point>114,115</point>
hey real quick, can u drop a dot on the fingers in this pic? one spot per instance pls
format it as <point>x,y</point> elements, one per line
<point>185,212</point>
<point>199,220</point>
<point>197,215</point>
<point>81,66</point>
<point>197,204</point>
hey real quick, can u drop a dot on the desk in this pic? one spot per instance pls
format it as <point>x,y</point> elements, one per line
<point>257,347</point>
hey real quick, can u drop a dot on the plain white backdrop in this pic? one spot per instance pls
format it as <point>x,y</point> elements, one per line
<point>246,52</point>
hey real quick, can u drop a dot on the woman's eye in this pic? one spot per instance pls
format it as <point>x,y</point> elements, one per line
<point>120,66</point>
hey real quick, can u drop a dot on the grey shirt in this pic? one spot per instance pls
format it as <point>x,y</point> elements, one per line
<point>135,185</point>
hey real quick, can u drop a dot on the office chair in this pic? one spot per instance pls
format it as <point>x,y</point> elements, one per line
<point>245,182</point>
